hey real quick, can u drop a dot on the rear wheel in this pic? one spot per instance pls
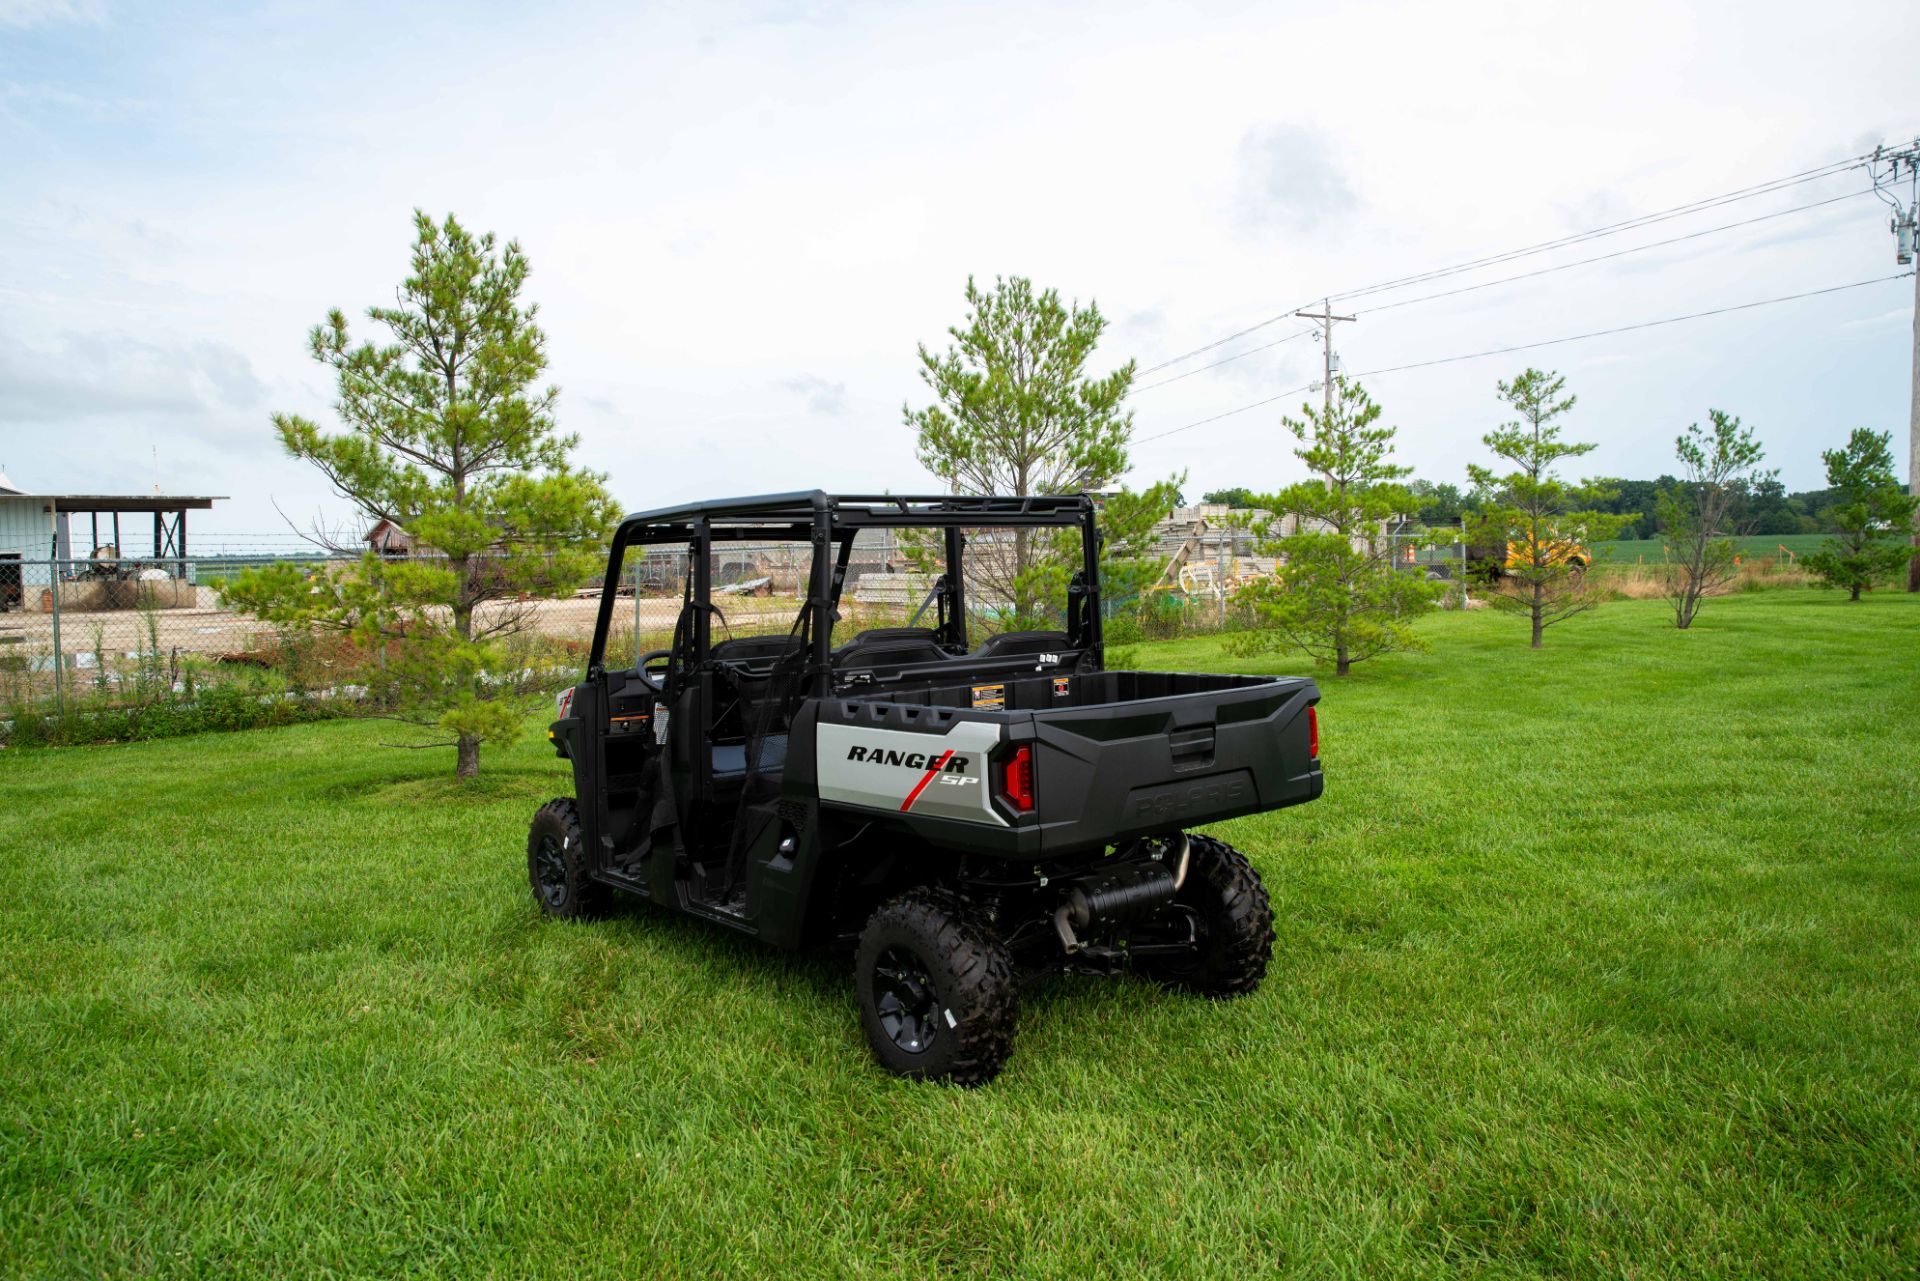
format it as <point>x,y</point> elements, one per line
<point>557,863</point>
<point>936,989</point>
<point>1233,924</point>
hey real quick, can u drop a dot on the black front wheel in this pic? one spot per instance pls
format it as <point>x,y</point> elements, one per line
<point>936,989</point>
<point>557,863</point>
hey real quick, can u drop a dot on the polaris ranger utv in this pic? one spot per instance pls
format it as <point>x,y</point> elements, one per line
<point>963,798</point>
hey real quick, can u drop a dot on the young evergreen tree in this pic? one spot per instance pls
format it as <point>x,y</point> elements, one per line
<point>1017,413</point>
<point>446,436</point>
<point>1337,593</point>
<point>1532,517</point>
<point>1870,516</point>
<point>1718,465</point>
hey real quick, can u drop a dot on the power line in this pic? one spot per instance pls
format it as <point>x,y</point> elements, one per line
<point>1251,351</point>
<point>1527,275</point>
<point>1696,206</point>
<point>1645,324</point>
<point>1621,253</point>
<point>1614,229</point>
<point>1229,414</point>
<point>1547,342</point>
<point>1218,342</point>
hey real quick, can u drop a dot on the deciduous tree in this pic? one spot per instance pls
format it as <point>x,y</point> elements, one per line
<point>1870,515</point>
<point>1437,504</point>
<point>445,435</point>
<point>1718,464</point>
<point>1232,496</point>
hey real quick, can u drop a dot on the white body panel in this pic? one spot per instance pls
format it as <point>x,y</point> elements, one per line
<point>938,775</point>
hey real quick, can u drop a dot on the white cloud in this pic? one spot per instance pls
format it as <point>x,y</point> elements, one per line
<point>821,396</point>
<point>24,14</point>
<point>89,375</point>
<point>1290,179</point>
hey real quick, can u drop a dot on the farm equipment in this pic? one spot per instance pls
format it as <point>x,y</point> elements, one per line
<point>961,809</point>
<point>1493,561</point>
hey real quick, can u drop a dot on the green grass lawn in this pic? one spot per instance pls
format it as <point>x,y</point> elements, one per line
<point>1597,961</point>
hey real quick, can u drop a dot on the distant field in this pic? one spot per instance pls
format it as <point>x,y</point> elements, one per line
<point>1596,961</point>
<point>1633,549</point>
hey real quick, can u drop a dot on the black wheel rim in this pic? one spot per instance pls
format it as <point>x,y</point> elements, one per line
<point>550,871</point>
<point>904,999</point>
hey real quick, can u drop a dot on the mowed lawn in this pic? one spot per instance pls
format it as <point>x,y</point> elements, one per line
<point>1597,961</point>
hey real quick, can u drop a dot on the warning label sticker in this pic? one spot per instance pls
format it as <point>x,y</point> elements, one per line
<point>990,696</point>
<point>1062,685</point>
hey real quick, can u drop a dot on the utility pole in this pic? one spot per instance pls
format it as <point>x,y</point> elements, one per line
<point>1913,426</point>
<point>1326,320</point>
<point>1887,166</point>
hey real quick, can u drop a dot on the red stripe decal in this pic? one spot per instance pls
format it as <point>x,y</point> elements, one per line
<point>921,786</point>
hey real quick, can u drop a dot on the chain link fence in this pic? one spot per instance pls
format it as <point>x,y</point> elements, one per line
<point>96,635</point>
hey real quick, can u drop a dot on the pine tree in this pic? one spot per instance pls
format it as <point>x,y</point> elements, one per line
<point>1870,515</point>
<point>445,436</point>
<point>1337,593</point>
<point>1530,515</point>
<point>1017,413</point>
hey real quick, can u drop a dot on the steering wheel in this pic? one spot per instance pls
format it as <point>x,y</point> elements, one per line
<point>640,668</point>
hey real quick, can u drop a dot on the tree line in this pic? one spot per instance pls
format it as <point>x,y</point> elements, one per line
<point>1760,505</point>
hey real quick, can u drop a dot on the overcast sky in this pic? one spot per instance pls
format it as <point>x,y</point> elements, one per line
<point>741,218</point>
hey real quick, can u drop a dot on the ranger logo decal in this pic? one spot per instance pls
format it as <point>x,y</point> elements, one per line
<point>908,760</point>
<point>935,775</point>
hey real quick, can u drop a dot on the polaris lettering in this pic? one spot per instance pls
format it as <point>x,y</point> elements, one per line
<point>906,760</point>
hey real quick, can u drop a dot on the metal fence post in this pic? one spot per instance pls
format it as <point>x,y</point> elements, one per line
<point>1463,566</point>
<point>59,655</point>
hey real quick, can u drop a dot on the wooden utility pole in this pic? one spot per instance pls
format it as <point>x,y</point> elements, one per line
<point>1887,167</point>
<point>1326,320</point>
<point>1913,427</point>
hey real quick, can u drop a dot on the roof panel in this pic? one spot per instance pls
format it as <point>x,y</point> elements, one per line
<point>122,502</point>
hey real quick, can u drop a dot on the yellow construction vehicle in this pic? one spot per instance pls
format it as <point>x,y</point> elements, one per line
<point>1487,562</point>
<point>1554,551</point>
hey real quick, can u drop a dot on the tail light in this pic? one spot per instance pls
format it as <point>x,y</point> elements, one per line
<point>1017,779</point>
<point>1313,732</point>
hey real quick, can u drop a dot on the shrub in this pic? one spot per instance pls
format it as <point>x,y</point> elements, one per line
<point>214,709</point>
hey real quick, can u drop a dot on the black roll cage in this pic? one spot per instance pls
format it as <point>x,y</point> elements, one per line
<point>825,520</point>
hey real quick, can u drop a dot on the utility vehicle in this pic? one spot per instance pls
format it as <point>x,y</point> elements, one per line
<point>903,738</point>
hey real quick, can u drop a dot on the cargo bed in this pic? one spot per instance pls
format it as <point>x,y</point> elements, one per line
<point>1112,755</point>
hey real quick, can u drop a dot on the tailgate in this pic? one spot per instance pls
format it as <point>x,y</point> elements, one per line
<point>1198,749</point>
